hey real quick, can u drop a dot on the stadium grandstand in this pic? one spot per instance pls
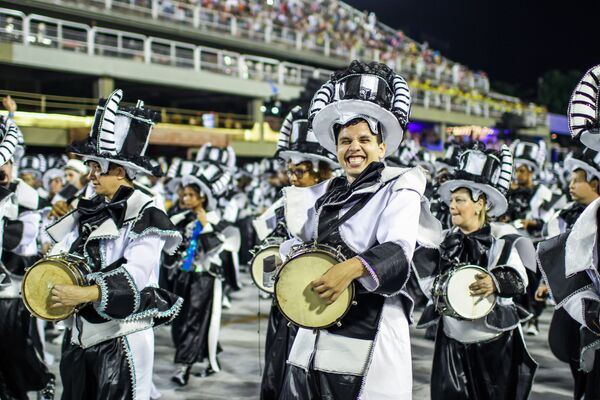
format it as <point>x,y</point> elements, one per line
<point>224,71</point>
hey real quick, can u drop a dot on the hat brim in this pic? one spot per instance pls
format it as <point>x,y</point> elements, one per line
<point>126,164</point>
<point>36,173</point>
<point>173,184</point>
<point>211,202</point>
<point>496,201</point>
<point>440,165</point>
<point>591,139</point>
<point>532,165</point>
<point>571,164</point>
<point>346,110</point>
<point>52,173</point>
<point>297,157</point>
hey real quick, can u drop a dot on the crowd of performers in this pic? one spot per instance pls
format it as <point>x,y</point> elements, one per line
<point>165,243</point>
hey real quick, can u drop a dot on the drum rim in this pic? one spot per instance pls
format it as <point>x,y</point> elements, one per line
<point>60,258</point>
<point>304,250</point>
<point>452,272</point>
<point>254,279</point>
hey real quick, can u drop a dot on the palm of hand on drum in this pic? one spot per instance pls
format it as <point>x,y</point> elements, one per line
<point>483,286</point>
<point>332,283</point>
<point>73,295</point>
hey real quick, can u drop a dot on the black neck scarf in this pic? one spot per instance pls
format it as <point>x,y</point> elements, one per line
<point>570,214</point>
<point>340,189</point>
<point>469,248</point>
<point>95,211</point>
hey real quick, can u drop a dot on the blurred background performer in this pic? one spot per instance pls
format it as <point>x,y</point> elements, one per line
<point>375,215</point>
<point>483,358</point>
<point>569,262</point>
<point>109,352</point>
<point>528,210</point>
<point>22,368</point>
<point>308,163</point>
<point>198,270</point>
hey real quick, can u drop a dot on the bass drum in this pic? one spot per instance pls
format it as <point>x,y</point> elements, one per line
<point>452,296</point>
<point>267,249</point>
<point>293,291</point>
<point>41,277</point>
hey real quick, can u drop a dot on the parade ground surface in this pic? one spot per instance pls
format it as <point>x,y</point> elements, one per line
<point>242,338</point>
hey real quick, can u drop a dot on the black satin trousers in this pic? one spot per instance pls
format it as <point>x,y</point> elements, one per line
<point>99,372</point>
<point>280,337</point>
<point>22,368</point>
<point>497,369</point>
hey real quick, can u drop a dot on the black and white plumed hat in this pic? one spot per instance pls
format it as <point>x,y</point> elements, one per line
<point>405,156</point>
<point>10,140</point>
<point>298,143</point>
<point>120,135</point>
<point>34,164</point>
<point>584,109</point>
<point>372,92</point>
<point>485,172</point>
<point>212,179</point>
<point>222,156</point>
<point>531,154</point>
<point>587,160</point>
<point>450,160</point>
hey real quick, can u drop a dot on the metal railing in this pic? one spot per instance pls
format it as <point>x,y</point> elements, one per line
<point>37,30</point>
<point>43,103</point>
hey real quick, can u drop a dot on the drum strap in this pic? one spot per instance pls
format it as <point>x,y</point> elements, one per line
<point>337,223</point>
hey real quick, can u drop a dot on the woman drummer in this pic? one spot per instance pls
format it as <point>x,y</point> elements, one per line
<point>308,163</point>
<point>199,276</point>
<point>483,358</point>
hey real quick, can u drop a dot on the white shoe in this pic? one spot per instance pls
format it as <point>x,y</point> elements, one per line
<point>532,329</point>
<point>226,303</point>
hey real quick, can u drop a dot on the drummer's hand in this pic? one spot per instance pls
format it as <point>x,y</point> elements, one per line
<point>541,293</point>
<point>73,295</point>
<point>59,209</point>
<point>333,282</point>
<point>483,286</point>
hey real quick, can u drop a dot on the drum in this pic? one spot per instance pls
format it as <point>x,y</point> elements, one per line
<point>269,248</point>
<point>293,291</point>
<point>452,296</point>
<point>40,278</point>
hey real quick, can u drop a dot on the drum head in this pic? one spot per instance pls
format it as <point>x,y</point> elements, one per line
<point>295,298</point>
<point>458,295</point>
<point>257,267</point>
<point>37,285</point>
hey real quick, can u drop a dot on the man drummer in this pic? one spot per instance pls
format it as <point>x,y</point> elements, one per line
<point>308,163</point>
<point>109,352</point>
<point>374,214</point>
<point>569,261</point>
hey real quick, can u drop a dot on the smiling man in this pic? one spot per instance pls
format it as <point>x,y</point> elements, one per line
<point>375,215</point>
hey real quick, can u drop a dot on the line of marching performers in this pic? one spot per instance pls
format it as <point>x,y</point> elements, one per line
<point>454,237</point>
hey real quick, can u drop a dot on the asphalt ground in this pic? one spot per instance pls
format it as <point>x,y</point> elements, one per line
<point>242,339</point>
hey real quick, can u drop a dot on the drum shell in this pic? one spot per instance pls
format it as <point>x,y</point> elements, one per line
<point>256,265</point>
<point>347,297</point>
<point>69,269</point>
<point>443,303</point>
